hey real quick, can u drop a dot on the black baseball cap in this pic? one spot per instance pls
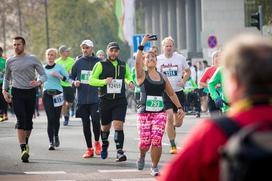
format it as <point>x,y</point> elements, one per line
<point>113,45</point>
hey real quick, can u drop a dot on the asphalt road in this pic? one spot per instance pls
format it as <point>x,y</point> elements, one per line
<point>66,163</point>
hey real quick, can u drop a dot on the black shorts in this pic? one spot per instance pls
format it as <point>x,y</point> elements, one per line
<point>112,110</point>
<point>69,94</point>
<point>202,93</point>
<point>168,104</point>
<point>87,110</point>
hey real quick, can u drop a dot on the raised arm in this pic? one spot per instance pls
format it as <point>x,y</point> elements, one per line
<point>139,65</point>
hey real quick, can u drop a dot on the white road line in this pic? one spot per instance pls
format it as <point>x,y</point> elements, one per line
<point>45,173</point>
<point>134,179</point>
<point>118,171</point>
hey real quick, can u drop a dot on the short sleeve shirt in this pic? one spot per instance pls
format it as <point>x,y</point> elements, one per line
<point>173,68</point>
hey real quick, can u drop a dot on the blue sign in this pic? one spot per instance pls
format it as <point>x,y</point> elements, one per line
<point>137,39</point>
<point>212,41</point>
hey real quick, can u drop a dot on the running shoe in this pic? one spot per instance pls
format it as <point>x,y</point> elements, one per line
<point>1,118</point>
<point>56,141</point>
<point>173,150</point>
<point>154,171</point>
<point>140,163</point>
<point>88,153</point>
<point>104,152</point>
<point>66,121</point>
<point>121,157</point>
<point>51,147</point>
<point>97,148</point>
<point>25,156</point>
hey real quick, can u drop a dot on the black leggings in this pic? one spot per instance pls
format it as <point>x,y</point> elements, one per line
<point>85,111</point>
<point>3,103</point>
<point>53,116</point>
<point>23,101</point>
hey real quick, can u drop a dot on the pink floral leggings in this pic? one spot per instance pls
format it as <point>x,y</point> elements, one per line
<point>151,129</point>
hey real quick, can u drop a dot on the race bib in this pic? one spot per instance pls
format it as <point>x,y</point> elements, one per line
<point>58,100</point>
<point>115,86</point>
<point>154,103</point>
<point>170,71</point>
<point>85,75</point>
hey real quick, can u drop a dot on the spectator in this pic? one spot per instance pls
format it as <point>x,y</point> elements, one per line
<point>248,91</point>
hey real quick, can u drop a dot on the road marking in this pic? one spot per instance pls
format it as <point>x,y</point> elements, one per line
<point>45,173</point>
<point>117,171</point>
<point>134,179</point>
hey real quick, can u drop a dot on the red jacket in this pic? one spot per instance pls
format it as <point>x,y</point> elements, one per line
<point>199,158</point>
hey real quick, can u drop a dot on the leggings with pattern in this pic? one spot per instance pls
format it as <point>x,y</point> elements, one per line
<point>151,128</point>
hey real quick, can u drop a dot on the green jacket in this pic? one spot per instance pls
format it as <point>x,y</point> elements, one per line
<point>190,85</point>
<point>133,76</point>
<point>2,69</point>
<point>67,64</point>
<point>215,92</point>
<point>97,70</point>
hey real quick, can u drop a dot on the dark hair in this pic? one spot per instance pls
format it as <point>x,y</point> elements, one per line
<point>1,50</point>
<point>20,38</point>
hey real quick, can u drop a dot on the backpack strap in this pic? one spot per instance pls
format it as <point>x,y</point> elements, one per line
<point>227,125</point>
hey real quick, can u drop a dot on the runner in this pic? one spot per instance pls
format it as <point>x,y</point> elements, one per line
<point>3,103</point>
<point>203,82</point>
<point>111,75</point>
<point>100,54</point>
<point>87,97</point>
<point>151,115</point>
<point>174,66</point>
<point>53,96</point>
<point>21,69</point>
<point>68,91</point>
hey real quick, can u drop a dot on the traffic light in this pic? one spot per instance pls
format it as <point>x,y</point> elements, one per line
<point>257,19</point>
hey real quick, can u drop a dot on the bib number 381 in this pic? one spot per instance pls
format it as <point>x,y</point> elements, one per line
<point>115,86</point>
<point>154,103</point>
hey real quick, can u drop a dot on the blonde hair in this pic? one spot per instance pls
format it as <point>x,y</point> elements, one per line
<point>51,49</point>
<point>169,38</point>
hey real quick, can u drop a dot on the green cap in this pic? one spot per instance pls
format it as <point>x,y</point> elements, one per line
<point>100,52</point>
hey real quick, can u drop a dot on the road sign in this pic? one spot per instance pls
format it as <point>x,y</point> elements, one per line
<point>212,41</point>
<point>137,39</point>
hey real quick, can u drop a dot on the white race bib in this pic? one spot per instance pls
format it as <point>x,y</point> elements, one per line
<point>115,86</point>
<point>170,71</point>
<point>85,75</point>
<point>58,100</point>
<point>154,103</point>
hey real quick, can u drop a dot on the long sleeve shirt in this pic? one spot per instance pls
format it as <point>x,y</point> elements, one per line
<point>81,71</point>
<point>95,81</point>
<point>22,69</point>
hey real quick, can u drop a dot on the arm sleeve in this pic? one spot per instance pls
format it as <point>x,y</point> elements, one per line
<point>73,74</point>
<point>7,77</point>
<point>204,77</point>
<point>39,68</point>
<point>128,77</point>
<point>94,78</point>
<point>64,74</point>
<point>216,79</point>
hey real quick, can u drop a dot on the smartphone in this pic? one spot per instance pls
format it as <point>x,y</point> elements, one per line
<point>153,38</point>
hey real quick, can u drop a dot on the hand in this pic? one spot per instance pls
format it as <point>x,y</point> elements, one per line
<point>131,86</point>
<point>218,102</point>
<point>56,74</point>
<point>145,39</point>
<point>181,83</point>
<point>181,114</point>
<point>7,96</point>
<point>35,83</point>
<point>108,80</point>
<point>76,83</point>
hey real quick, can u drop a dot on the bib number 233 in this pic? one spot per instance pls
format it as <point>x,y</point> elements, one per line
<point>154,103</point>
